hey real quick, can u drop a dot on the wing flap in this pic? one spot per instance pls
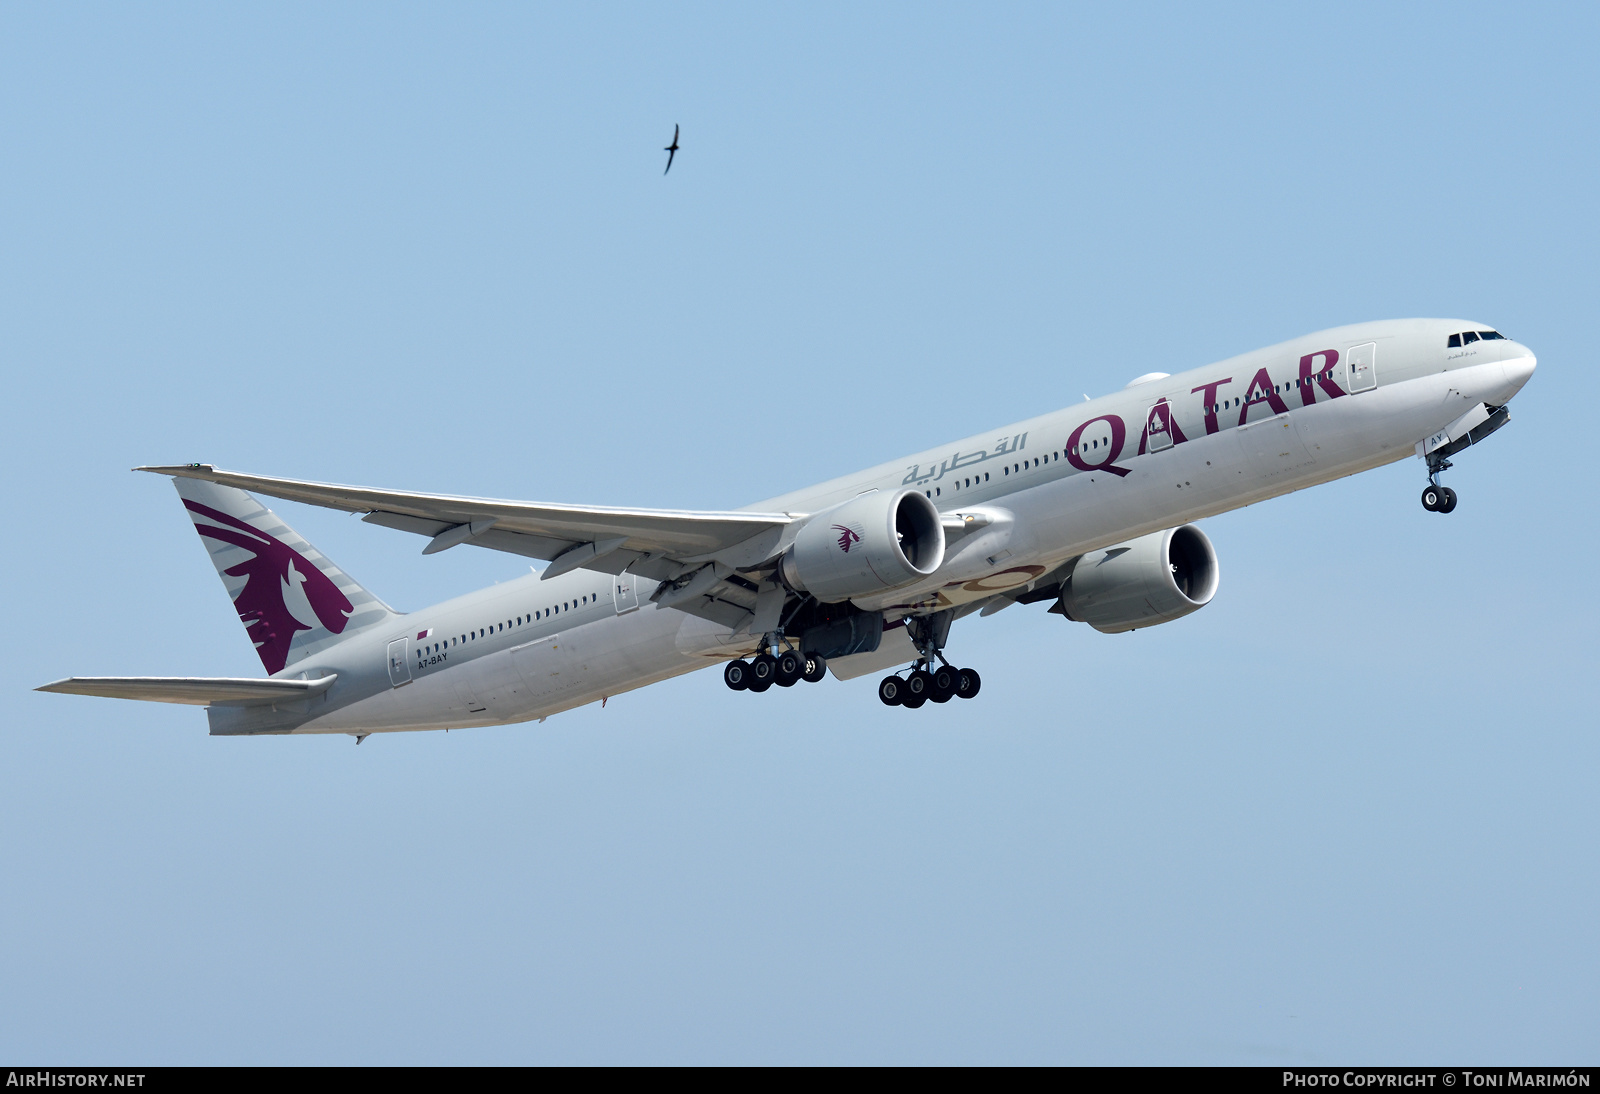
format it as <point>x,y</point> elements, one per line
<point>191,690</point>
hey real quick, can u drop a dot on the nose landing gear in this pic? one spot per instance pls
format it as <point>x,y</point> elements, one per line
<point>1436,498</point>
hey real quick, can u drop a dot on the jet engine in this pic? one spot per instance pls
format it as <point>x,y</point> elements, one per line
<point>1149,580</point>
<point>869,544</point>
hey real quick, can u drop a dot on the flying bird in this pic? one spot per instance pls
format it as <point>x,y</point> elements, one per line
<point>671,149</point>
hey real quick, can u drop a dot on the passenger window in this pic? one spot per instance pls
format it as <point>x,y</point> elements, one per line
<point>1469,337</point>
<point>1455,342</point>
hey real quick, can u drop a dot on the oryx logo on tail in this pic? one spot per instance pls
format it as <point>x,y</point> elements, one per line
<point>276,575</point>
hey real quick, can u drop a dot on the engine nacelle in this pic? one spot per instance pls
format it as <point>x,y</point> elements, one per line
<point>869,544</point>
<point>1153,579</point>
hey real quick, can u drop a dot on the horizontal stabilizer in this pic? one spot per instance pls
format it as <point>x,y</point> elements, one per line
<point>193,690</point>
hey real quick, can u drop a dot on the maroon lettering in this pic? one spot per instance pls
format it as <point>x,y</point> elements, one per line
<point>1260,391</point>
<point>1160,420</point>
<point>1119,434</point>
<point>1313,375</point>
<point>1211,402</point>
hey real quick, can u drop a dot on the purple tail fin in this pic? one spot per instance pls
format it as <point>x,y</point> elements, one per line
<point>291,599</point>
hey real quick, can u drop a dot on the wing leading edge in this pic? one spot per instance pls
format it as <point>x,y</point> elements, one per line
<point>660,543</point>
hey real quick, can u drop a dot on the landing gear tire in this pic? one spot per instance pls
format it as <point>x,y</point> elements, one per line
<point>919,688</point>
<point>944,681</point>
<point>967,683</point>
<point>790,666</point>
<point>763,672</point>
<point>1433,498</point>
<point>1448,505</point>
<point>891,690</point>
<point>816,668</point>
<point>736,674</point>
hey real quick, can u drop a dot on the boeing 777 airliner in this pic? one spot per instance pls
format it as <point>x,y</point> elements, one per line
<point>1090,508</point>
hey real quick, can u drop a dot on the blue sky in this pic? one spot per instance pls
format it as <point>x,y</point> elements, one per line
<point>1346,813</point>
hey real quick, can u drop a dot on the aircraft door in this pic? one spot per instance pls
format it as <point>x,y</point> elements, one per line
<point>1363,365</point>
<point>624,593</point>
<point>400,662</point>
<point>1273,446</point>
<point>1158,427</point>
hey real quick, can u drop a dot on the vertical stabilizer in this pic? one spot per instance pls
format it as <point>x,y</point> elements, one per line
<point>292,600</point>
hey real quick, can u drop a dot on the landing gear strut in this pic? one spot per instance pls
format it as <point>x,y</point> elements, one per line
<point>933,678</point>
<point>1436,498</point>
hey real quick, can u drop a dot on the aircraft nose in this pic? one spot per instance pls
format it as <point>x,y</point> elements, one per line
<point>1518,368</point>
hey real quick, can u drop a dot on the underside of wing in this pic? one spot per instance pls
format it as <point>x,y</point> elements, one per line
<point>658,543</point>
<point>192,690</point>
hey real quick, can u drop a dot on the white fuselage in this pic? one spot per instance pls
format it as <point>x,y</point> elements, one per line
<point>1051,488</point>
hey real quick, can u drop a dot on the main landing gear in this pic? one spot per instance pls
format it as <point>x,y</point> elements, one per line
<point>929,681</point>
<point>786,668</point>
<point>1436,498</point>
<point>926,684</point>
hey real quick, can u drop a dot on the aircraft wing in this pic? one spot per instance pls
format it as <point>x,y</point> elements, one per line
<point>193,690</point>
<point>658,543</point>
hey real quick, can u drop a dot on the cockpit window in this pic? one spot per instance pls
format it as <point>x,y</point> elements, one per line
<point>1455,342</point>
<point>1469,337</point>
<point>1488,334</point>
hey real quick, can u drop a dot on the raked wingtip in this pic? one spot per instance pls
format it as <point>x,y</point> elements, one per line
<point>184,470</point>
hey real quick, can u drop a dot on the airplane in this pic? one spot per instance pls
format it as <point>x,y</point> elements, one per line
<point>1090,509</point>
